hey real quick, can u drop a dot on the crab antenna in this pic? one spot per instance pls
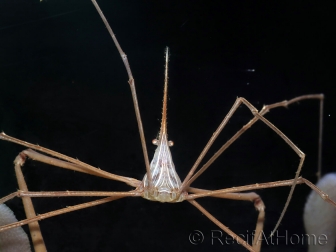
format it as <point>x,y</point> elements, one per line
<point>163,129</point>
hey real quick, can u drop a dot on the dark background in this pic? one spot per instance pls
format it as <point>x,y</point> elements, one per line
<point>64,86</point>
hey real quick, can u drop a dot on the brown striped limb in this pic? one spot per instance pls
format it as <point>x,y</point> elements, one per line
<point>191,177</point>
<point>34,227</point>
<point>222,226</point>
<point>252,187</point>
<point>250,196</point>
<point>63,211</point>
<point>70,163</point>
<point>65,161</point>
<point>235,193</point>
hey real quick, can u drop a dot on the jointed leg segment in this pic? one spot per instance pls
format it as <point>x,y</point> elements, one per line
<point>222,226</point>
<point>236,194</point>
<point>250,196</point>
<point>68,163</point>
<point>191,177</point>
<point>32,219</point>
<point>34,227</point>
